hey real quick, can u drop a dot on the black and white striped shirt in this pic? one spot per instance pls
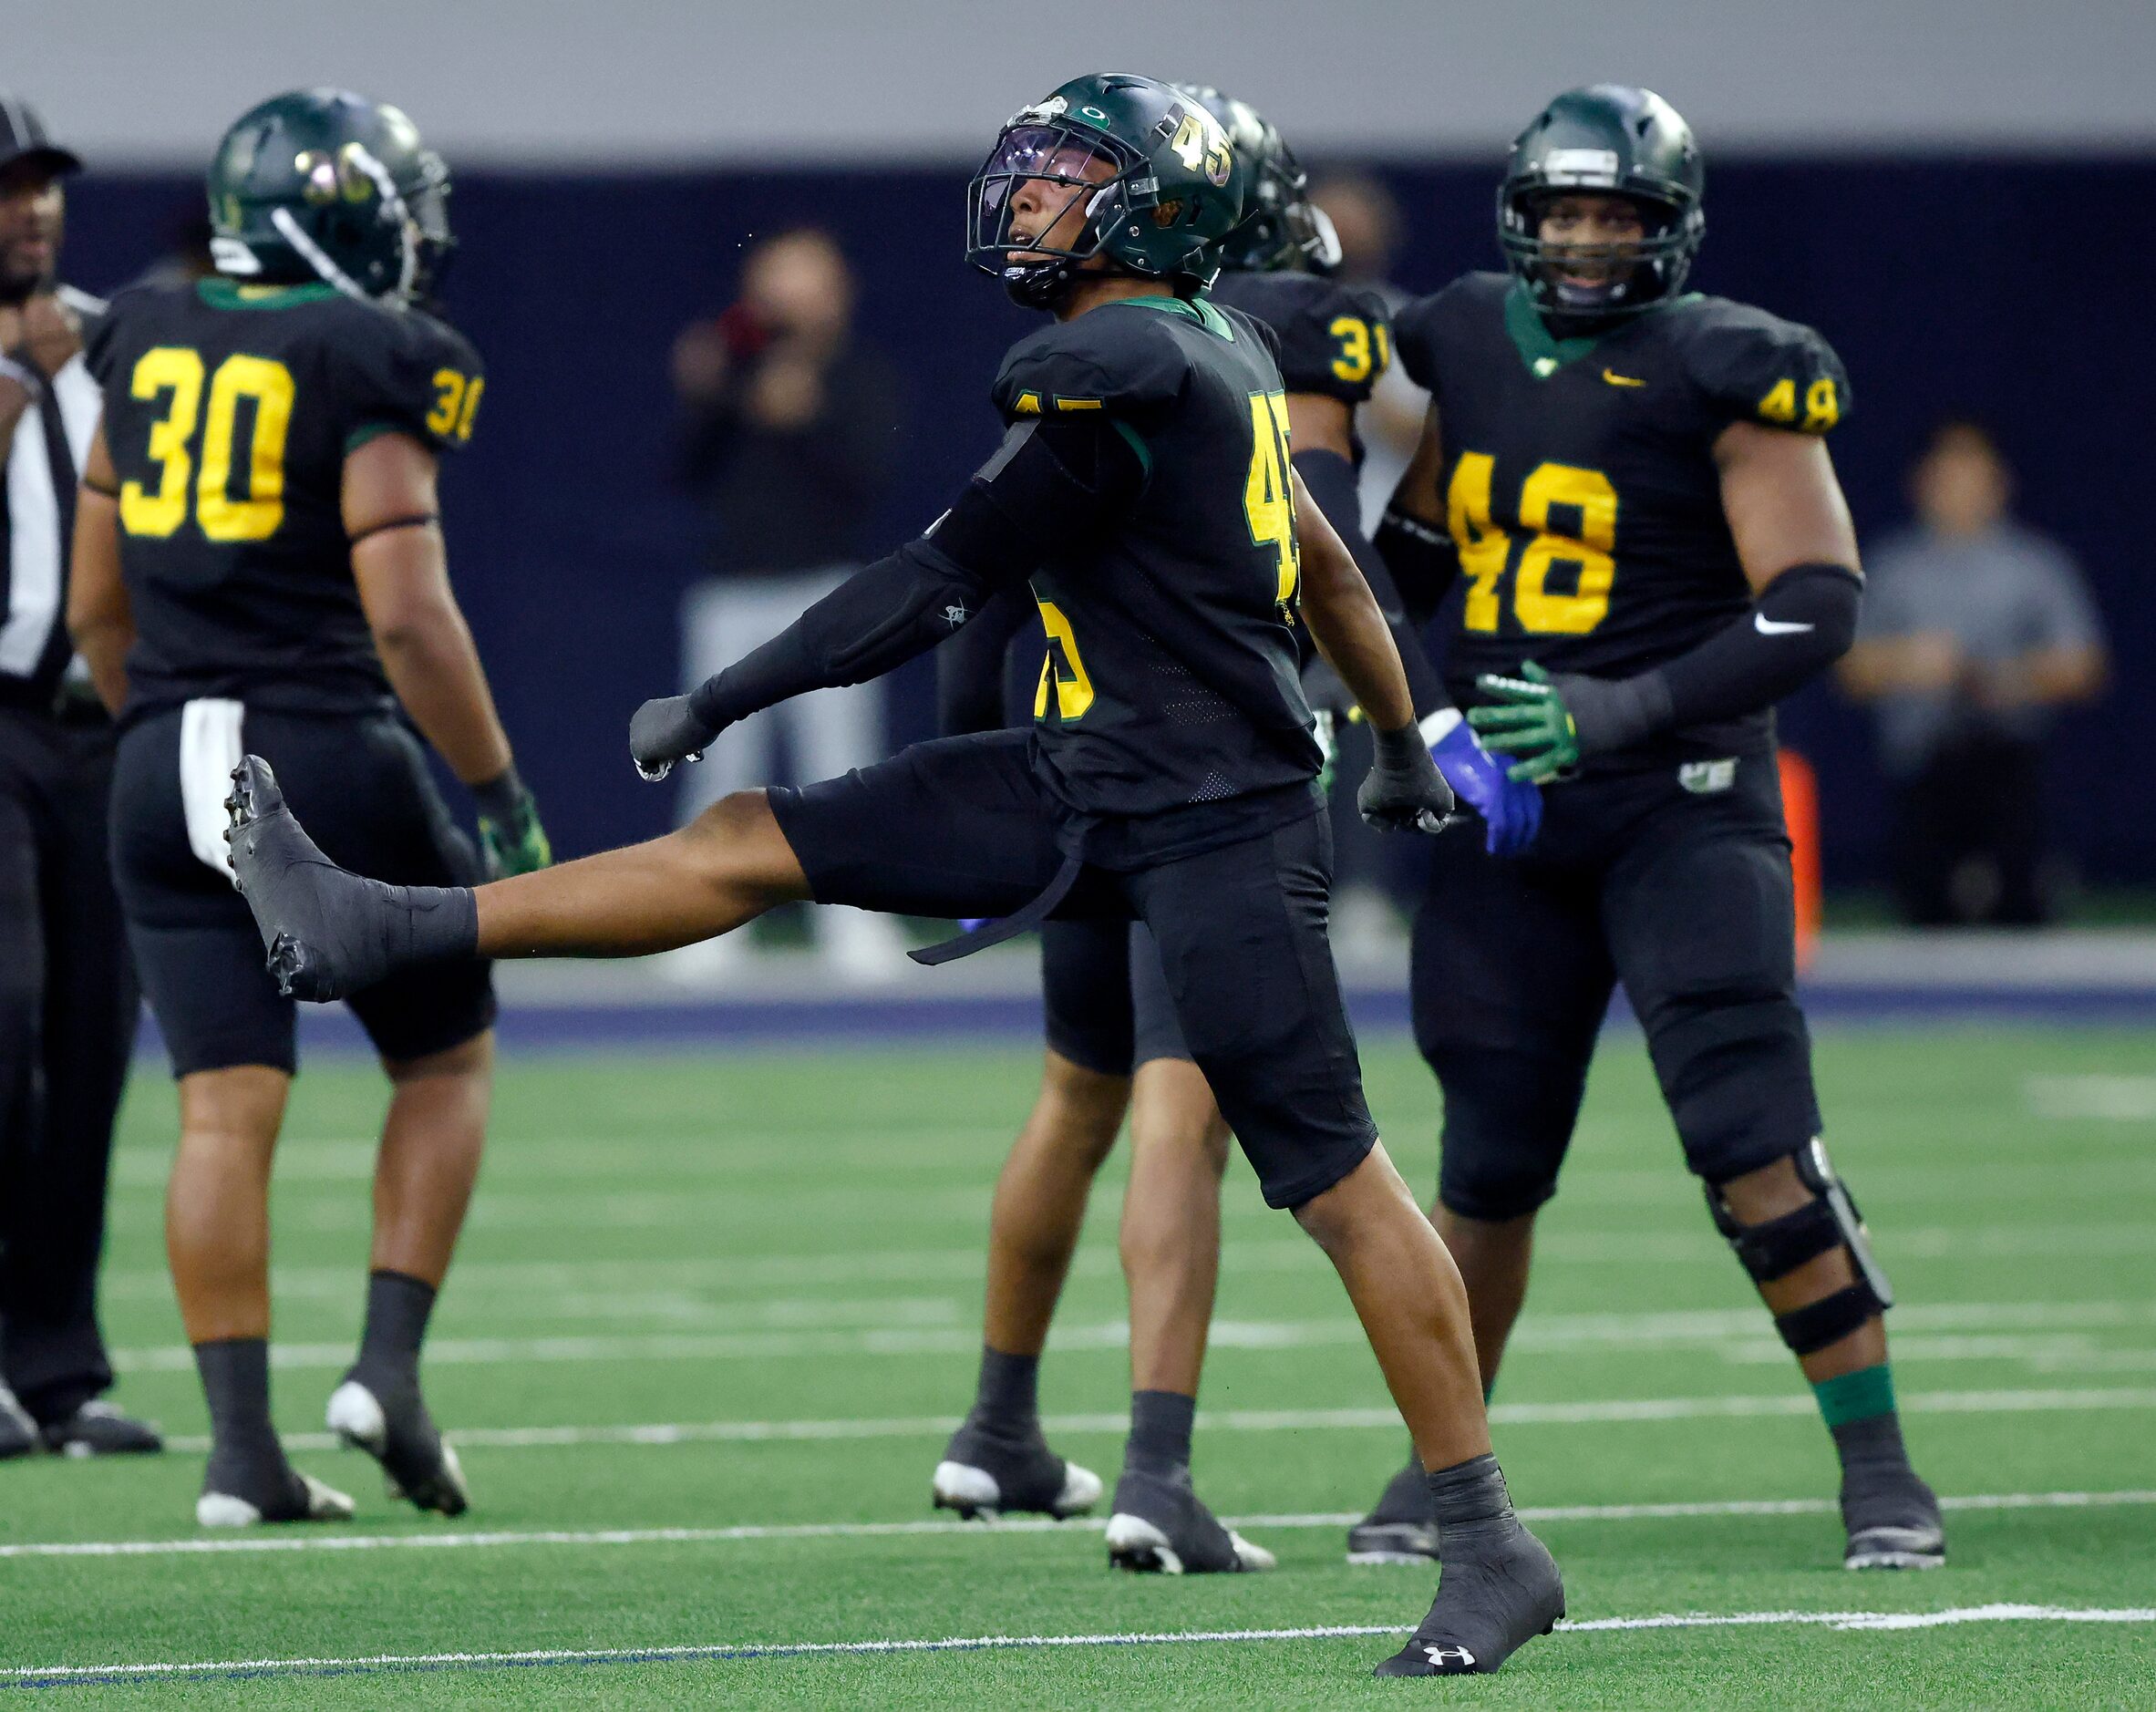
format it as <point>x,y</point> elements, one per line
<point>36,524</point>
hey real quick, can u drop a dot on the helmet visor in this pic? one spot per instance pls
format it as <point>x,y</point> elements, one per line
<point>1035,198</point>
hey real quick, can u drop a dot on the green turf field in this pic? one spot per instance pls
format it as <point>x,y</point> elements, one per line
<point>712,1319</point>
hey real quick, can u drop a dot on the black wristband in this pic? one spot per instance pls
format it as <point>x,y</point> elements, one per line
<point>501,796</point>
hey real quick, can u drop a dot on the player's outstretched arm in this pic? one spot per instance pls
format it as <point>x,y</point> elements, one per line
<point>1404,790</point>
<point>1798,550</point>
<point>1053,480</point>
<point>100,620</point>
<point>402,571</point>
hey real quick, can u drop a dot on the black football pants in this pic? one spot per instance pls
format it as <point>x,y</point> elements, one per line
<point>67,1011</point>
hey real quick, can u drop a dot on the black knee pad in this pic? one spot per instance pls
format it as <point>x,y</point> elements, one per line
<point>1736,1072</point>
<point>1777,1248</point>
<point>1509,1119</point>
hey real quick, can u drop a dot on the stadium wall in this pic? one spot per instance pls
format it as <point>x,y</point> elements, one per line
<point>1948,283</point>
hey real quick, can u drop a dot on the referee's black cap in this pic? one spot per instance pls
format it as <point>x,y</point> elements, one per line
<point>24,141</point>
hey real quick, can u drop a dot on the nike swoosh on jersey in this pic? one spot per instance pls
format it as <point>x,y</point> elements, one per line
<point>1768,626</point>
<point>1617,379</point>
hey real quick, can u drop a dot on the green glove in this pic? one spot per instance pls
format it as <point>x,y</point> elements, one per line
<point>1529,721</point>
<point>511,839</point>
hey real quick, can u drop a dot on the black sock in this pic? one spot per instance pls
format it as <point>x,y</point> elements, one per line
<point>1870,1446</point>
<point>1008,1396</point>
<point>1160,1431</point>
<point>235,1374</point>
<point>441,925</point>
<point>397,1305</point>
<point>1472,1505</point>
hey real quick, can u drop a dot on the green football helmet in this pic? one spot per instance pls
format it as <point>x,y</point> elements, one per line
<point>1161,180</point>
<point>323,184</point>
<point>1282,228</point>
<point>1614,138</point>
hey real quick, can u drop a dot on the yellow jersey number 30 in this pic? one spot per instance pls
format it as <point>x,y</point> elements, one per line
<point>177,374</point>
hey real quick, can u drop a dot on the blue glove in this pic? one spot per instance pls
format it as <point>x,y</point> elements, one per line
<point>1511,809</point>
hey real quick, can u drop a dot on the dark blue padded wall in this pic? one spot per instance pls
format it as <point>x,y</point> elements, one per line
<point>1980,285</point>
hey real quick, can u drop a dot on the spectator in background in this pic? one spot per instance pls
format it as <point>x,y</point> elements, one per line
<point>786,434</point>
<point>1975,630</point>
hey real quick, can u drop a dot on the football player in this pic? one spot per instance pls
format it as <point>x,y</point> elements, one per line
<point>259,566</point>
<point>1626,488</point>
<point>1144,483</point>
<point>1113,1045</point>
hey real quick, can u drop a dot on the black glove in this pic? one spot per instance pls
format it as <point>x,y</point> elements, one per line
<point>1404,791</point>
<point>665,731</point>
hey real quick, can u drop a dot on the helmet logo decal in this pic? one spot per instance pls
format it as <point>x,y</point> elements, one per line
<point>1202,146</point>
<point>1581,166</point>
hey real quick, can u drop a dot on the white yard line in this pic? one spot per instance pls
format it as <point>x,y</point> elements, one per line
<point>324,1540</point>
<point>1601,1411</point>
<point>1741,1330</point>
<point>735,1277</point>
<point>34,1676</point>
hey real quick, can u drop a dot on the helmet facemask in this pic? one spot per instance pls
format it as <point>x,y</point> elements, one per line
<point>1637,273</point>
<point>1041,173</point>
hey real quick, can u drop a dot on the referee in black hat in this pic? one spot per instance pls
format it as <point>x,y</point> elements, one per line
<point>67,999</point>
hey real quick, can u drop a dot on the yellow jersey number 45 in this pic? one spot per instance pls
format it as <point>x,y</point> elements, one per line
<point>1269,494</point>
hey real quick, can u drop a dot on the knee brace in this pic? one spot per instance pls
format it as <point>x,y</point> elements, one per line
<point>1777,1248</point>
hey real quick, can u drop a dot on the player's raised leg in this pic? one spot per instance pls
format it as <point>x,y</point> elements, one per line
<point>331,933</point>
<point>217,1235</point>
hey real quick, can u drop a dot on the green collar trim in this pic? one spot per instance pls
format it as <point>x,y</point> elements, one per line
<point>232,293</point>
<point>1543,353</point>
<point>1202,310</point>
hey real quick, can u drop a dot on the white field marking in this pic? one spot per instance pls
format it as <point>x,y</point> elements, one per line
<point>611,1156</point>
<point>933,1427</point>
<point>1850,1621</point>
<point>1575,1334</point>
<point>529,1280</point>
<point>2118,1099</point>
<point>252,1544</point>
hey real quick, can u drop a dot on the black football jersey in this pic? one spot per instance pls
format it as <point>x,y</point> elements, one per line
<point>229,409</point>
<point>1580,483</point>
<point>1171,676</point>
<point>1334,338</point>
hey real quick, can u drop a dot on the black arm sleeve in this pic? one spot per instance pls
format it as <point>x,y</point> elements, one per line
<point>1804,622</point>
<point>969,668</point>
<point>1049,483</point>
<point>1799,626</point>
<point>1423,562</point>
<point>1331,480</point>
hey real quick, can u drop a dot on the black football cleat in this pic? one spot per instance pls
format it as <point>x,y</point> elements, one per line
<point>327,933</point>
<point>985,1474</point>
<point>98,1429</point>
<point>1497,1592</point>
<point>398,1432</point>
<point>1403,1528</point>
<point>1892,1522</point>
<point>1161,1526</point>
<point>258,1493</point>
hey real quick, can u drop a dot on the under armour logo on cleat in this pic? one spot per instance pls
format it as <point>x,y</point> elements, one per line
<point>1441,1654</point>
